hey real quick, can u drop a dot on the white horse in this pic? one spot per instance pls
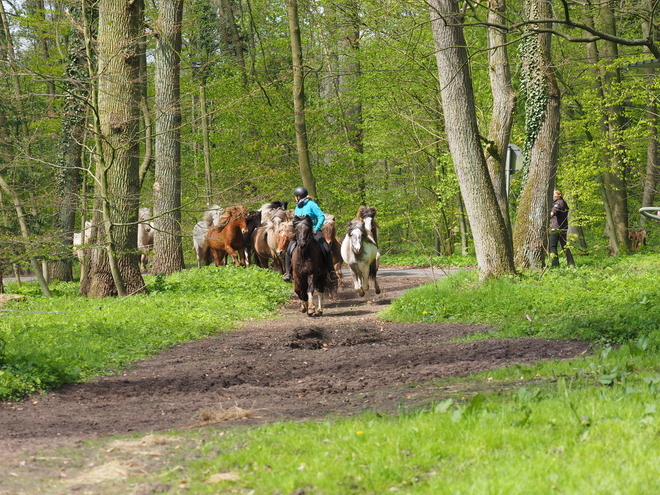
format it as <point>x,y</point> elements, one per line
<point>360,252</point>
<point>211,219</point>
<point>80,238</point>
<point>145,236</point>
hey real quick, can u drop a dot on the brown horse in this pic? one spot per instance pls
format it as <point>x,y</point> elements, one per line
<point>309,272</point>
<point>329,231</point>
<point>227,237</point>
<point>271,241</point>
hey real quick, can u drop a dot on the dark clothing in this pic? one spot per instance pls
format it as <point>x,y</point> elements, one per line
<point>558,231</point>
<point>558,236</point>
<point>559,214</point>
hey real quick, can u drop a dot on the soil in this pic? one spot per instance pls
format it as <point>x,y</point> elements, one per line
<point>288,367</point>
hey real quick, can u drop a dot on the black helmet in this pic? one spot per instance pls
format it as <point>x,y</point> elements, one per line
<point>300,191</point>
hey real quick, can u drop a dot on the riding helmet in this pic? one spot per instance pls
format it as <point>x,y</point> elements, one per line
<point>300,191</point>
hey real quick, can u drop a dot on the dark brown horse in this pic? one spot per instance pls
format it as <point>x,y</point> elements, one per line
<point>227,237</point>
<point>329,231</point>
<point>309,271</point>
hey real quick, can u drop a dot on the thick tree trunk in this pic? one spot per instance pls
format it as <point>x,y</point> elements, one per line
<point>493,251</point>
<point>115,270</point>
<point>530,234</point>
<point>168,252</point>
<point>299,99</point>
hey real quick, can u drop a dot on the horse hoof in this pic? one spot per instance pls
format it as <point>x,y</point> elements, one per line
<point>360,293</point>
<point>378,290</point>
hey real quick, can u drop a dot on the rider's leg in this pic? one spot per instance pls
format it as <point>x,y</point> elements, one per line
<point>288,272</point>
<point>327,255</point>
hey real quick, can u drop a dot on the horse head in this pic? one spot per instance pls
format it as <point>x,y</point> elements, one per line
<point>303,228</point>
<point>367,215</point>
<point>284,234</point>
<point>355,233</point>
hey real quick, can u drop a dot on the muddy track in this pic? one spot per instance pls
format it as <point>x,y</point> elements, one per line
<point>288,367</point>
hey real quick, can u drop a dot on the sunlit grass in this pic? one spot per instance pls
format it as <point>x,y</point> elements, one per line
<point>46,342</point>
<point>614,302</point>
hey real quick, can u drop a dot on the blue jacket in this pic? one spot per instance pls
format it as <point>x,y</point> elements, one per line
<point>307,206</point>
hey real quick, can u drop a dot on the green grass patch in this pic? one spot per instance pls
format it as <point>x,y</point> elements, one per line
<point>46,342</point>
<point>612,302</point>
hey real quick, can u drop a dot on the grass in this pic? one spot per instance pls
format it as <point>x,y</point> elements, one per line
<point>610,303</point>
<point>45,343</point>
<point>584,426</point>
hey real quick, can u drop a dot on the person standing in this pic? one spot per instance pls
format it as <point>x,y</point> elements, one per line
<point>559,229</point>
<point>306,206</point>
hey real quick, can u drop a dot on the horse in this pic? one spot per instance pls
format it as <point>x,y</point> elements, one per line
<point>227,237</point>
<point>269,209</point>
<point>330,234</point>
<point>253,222</point>
<point>360,252</point>
<point>81,238</point>
<point>271,241</point>
<point>309,270</point>
<point>145,236</point>
<point>211,218</point>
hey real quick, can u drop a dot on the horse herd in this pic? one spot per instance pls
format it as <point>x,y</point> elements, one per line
<point>263,237</point>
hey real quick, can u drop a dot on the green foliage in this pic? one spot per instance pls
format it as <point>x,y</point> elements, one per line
<point>69,337</point>
<point>613,302</point>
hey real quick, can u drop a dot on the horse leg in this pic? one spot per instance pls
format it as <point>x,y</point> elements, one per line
<point>319,308</point>
<point>373,269</point>
<point>358,280</point>
<point>218,256</point>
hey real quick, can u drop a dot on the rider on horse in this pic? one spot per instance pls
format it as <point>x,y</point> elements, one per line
<point>306,206</point>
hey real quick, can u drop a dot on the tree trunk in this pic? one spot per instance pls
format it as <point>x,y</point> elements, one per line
<point>73,128</point>
<point>235,38</point>
<point>652,170</point>
<point>115,270</point>
<point>299,99</point>
<point>168,252</point>
<point>493,251</point>
<point>541,144</point>
<point>615,181</point>
<point>504,101</point>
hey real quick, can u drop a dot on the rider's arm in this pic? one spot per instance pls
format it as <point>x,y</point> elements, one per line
<point>320,217</point>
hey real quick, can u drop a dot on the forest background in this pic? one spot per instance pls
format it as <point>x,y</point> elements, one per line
<point>176,106</point>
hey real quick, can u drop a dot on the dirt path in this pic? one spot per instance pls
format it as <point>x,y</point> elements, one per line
<point>290,367</point>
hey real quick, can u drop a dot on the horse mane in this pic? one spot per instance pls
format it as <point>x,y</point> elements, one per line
<point>212,215</point>
<point>306,219</point>
<point>367,212</point>
<point>270,209</point>
<point>231,214</point>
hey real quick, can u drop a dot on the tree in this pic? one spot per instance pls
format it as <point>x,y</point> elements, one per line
<point>114,270</point>
<point>299,99</point>
<point>168,253</point>
<point>541,143</point>
<point>493,251</point>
